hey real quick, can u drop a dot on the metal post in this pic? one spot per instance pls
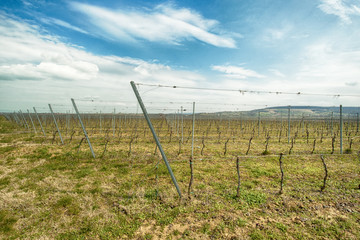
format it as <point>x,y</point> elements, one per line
<point>175,127</point>
<point>23,117</point>
<point>155,136</point>
<point>120,121</point>
<point>100,123</point>
<point>357,122</point>
<point>113,123</point>
<point>193,132</point>
<point>83,127</point>
<point>52,113</point>
<point>259,124</point>
<point>16,118</point>
<point>341,130</point>
<point>289,125</point>
<point>178,123</point>
<point>332,124</point>
<point>32,123</point>
<point>37,116</point>
<point>182,125</point>
<point>68,121</point>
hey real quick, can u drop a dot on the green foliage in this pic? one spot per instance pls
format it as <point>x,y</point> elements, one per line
<point>205,229</point>
<point>241,222</point>
<point>60,193</point>
<point>256,235</point>
<point>259,172</point>
<point>7,149</point>
<point>266,152</point>
<point>348,151</point>
<point>4,182</point>
<point>68,204</point>
<point>253,198</point>
<point>7,221</point>
<point>281,227</point>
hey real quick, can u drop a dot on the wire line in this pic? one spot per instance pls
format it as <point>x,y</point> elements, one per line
<point>249,91</point>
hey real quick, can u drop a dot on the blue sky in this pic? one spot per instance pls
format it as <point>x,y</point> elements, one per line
<point>52,51</point>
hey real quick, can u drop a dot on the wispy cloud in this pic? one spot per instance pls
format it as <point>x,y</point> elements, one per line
<point>51,21</point>
<point>277,73</point>
<point>324,66</point>
<point>164,23</point>
<point>341,8</point>
<point>38,67</point>
<point>237,72</point>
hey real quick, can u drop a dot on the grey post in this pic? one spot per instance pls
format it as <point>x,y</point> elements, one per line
<point>37,116</point>
<point>32,123</point>
<point>175,121</point>
<point>357,122</point>
<point>100,122</point>
<point>23,117</point>
<point>83,127</point>
<point>341,130</point>
<point>155,136</point>
<point>52,113</point>
<point>68,121</point>
<point>193,130</point>
<point>16,118</point>
<point>289,125</point>
<point>113,123</point>
<point>332,124</point>
<point>259,124</point>
<point>178,124</point>
<point>182,124</point>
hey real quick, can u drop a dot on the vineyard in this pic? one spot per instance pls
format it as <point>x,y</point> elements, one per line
<point>240,176</point>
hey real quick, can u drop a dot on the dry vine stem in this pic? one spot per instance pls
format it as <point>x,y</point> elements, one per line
<point>203,146</point>
<point>179,152</point>
<point>333,144</point>
<point>225,147</point>
<point>282,175</point>
<point>72,134</point>
<point>52,141</point>
<point>326,173</point>
<point>80,144</point>
<point>191,176</point>
<point>247,152</point>
<point>131,140</point>
<point>312,152</point>
<point>238,174</point>
<point>106,143</point>
<point>292,145</point>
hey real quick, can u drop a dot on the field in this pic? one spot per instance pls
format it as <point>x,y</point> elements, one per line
<point>50,190</point>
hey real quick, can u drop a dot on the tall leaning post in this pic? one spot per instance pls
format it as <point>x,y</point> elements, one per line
<point>32,122</point>
<point>37,116</point>
<point>83,127</point>
<point>155,136</point>
<point>24,119</point>
<point>57,127</point>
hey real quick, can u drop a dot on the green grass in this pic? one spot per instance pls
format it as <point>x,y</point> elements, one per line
<point>7,221</point>
<point>55,191</point>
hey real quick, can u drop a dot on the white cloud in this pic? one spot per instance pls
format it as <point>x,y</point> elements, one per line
<point>55,72</point>
<point>277,73</point>
<point>327,68</point>
<point>51,21</point>
<point>340,8</point>
<point>237,72</point>
<point>277,34</point>
<point>163,24</point>
<point>37,68</point>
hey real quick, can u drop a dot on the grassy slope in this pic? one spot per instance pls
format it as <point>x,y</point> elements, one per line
<point>55,191</point>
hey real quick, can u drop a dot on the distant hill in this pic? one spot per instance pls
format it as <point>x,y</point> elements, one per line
<point>295,111</point>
